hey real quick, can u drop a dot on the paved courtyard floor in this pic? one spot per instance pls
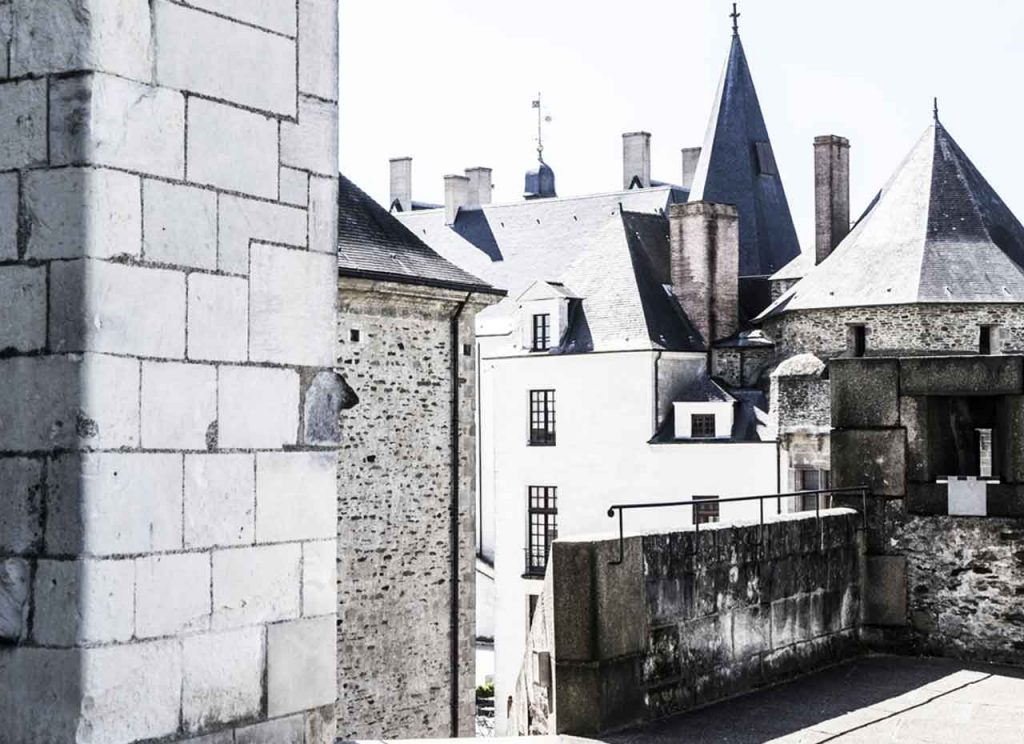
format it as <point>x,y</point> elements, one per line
<point>876,700</point>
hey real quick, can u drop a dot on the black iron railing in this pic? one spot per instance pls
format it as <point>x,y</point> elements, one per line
<point>861,491</point>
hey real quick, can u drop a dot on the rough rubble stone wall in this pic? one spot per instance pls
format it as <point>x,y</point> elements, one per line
<point>394,496</point>
<point>167,235</point>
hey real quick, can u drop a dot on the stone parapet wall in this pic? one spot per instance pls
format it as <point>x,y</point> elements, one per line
<point>168,192</point>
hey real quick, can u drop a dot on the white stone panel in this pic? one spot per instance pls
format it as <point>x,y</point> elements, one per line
<point>22,308</point>
<point>318,50</point>
<point>323,214</point>
<point>300,665</point>
<point>179,225</point>
<point>279,731</point>
<point>319,578</point>
<point>86,601</point>
<point>276,15</point>
<point>232,149</point>
<point>225,60</point>
<point>37,413</point>
<point>291,306</point>
<point>21,496</point>
<point>256,585</point>
<point>296,496</point>
<point>105,120</point>
<point>82,35</point>
<point>8,215</point>
<point>257,408</point>
<point>245,220</point>
<point>223,678</point>
<point>219,500</point>
<point>75,212</point>
<point>312,143</point>
<point>179,405</point>
<point>294,187</point>
<point>134,692</point>
<point>218,312</point>
<point>114,504</point>
<point>107,307</point>
<point>172,594</point>
<point>22,124</point>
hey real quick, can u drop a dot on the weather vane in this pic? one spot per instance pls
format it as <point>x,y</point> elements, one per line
<point>541,120</point>
<point>735,15</point>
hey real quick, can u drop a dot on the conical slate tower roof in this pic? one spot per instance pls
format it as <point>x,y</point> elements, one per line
<point>937,233</point>
<point>737,166</point>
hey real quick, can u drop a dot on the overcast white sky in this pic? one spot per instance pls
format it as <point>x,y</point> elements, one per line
<point>450,82</point>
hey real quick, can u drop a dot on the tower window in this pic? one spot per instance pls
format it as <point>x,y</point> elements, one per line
<point>858,340</point>
<point>702,426</point>
<point>353,335</point>
<point>985,339</point>
<point>467,350</point>
<point>543,528</point>
<point>542,417</point>
<point>541,332</point>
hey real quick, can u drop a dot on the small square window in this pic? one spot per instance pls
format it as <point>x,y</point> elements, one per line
<point>702,426</point>
<point>353,335</point>
<point>705,513</point>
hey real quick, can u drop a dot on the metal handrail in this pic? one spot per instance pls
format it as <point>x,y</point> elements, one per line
<point>621,508</point>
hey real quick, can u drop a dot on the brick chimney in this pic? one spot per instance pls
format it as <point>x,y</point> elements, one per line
<point>705,264</point>
<point>636,159</point>
<point>456,196</point>
<point>401,184</point>
<point>831,194</point>
<point>480,187</point>
<point>690,157</point>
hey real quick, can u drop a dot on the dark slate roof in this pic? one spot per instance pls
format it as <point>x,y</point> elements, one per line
<point>936,233</point>
<point>372,243</point>
<point>737,166</point>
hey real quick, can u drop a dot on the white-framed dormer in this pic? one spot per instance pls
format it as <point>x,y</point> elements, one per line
<point>542,316</point>
<point>703,411</point>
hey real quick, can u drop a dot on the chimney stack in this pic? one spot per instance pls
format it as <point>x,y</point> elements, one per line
<point>480,187</point>
<point>831,194</point>
<point>690,157</point>
<point>456,196</point>
<point>636,159</point>
<point>705,264</point>
<point>401,184</point>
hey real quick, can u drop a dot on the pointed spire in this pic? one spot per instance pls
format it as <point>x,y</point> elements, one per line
<point>935,109</point>
<point>735,15</point>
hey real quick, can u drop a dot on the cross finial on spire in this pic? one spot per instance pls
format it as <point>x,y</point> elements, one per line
<point>935,109</point>
<point>735,15</point>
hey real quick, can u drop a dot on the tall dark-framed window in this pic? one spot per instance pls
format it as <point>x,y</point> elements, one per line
<point>809,479</point>
<point>985,334</point>
<point>542,528</point>
<point>702,426</point>
<point>858,339</point>
<point>541,332</point>
<point>542,417</point>
<point>705,513</point>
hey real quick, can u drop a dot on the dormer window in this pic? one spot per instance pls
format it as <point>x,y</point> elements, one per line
<point>541,332</point>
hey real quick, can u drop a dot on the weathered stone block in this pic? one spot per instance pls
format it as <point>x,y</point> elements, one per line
<point>321,725</point>
<point>273,423</point>
<point>751,632</point>
<point>172,594</point>
<point>219,500</point>
<point>323,214</point>
<point>294,187</point>
<point>324,400</point>
<point>179,405</point>
<point>85,601</point>
<point>21,507</point>
<point>852,379</point>
<point>223,678</point>
<point>319,578</point>
<point>927,498</point>
<point>318,56</point>
<point>300,665</point>
<point>256,585</point>
<point>281,731</point>
<point>292,296</point>
<point>14,596</point>
<point>229,61</point>
<point>973,375</point>
<point>885,590</point>
<point>73,212</point>
<point>22,308</point>
<point>218,311</point>
<point>232,149</point>
<point>1011,443</point>
<point>8,216</point>
<point>114,504</point>
<point>22,124</point>
<point>180,225</point>
<point>245,220</point>
<point>42,674</point>
<point>105,120</point>
<point>312,142</point>
<point>876,459</point>
<point>39,414</point>
<point>275,15</point>
<point>296,496</point>
<point>82,35</point>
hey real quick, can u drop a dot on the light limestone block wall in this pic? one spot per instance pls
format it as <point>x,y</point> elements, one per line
<point>167,327</point>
